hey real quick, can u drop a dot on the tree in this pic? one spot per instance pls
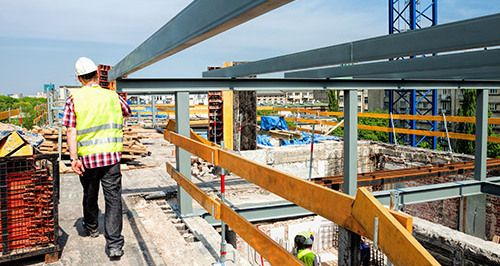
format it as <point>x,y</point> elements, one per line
<point>468,108</point>
<point>333,100</point>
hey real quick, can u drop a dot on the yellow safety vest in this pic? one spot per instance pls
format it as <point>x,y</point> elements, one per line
<point>99,120</point>
<point>306,256</point>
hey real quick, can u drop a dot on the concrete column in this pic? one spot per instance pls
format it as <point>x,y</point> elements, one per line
<point>183,158</point>
<point>349,252</point>
<point>475,220</point>
<point>244,120</point>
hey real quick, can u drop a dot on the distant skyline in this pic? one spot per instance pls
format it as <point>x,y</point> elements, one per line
<point>40,40</point>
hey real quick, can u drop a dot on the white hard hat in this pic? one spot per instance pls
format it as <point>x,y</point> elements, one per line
<point>84,66</point>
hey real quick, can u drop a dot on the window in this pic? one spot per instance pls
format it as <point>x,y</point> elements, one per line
<point>494,91</point>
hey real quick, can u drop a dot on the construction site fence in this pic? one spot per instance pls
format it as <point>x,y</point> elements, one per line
<point>391,233</point>
<point>29,198</point>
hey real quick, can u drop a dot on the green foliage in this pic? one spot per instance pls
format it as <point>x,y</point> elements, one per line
<point>27,105</point>
<point>469,109</point>
<point>333,100</point>
<point>369,134</point>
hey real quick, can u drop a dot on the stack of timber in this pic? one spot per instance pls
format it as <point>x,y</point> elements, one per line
<point>132,147</point>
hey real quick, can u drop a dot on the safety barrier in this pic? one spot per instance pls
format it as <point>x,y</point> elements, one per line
<point>356,214</point>
<point>440,134</point>
<point>455,119</point>
<point>9,114</point>
<point>268,248</point>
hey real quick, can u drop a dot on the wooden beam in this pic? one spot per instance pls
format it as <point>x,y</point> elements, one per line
<point>227,118</point>
<point>258,240</point>
<point>292,188</point>
<point>333,205</point>
<point>263,244</point>
<point>201,150</point>
<point>397,243</point>
<point>428,133</point>
<point>455,119</point>
<point>6,114</point>
<point>208,203</point>
<point>171,127</point>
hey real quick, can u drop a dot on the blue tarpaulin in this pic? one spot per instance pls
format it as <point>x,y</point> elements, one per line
<point>273,122</point>
<point>264,140</point>
<point>306,139</point>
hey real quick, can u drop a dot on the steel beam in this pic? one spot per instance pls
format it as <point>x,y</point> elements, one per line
<point>427,193</point>
<point>199,21</point>
<point>491,188</point>
<point>279,210</point>
<point>462,35</point>
<point>349,251</point>
<point>183,158</point>
<point>442,66</point>
<point>158,86</point>
<point>481,155</point>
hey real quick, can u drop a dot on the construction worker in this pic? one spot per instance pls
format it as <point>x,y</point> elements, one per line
<point>303,249</point>
<point>94,117</point>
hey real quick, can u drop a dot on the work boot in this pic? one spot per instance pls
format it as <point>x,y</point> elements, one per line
<point>89,231</point>
<point>115,253</point>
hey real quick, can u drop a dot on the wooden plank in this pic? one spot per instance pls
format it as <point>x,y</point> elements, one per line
<point>171,127</point>
<point>292,188</point>
<point>397,243</point>
<point>227,117</point>
<point>263,244</point>
<point>428,133</point>
<point>455,119</point>
<point>5,115</point>
<point>208,203</point>
<point>201,150</point>
<point>333,205</point>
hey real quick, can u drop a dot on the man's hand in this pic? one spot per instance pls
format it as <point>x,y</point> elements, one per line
<point>77,167</point>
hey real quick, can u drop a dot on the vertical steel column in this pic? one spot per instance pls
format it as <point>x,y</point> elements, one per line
<point>349,252</point>
<point>481,134</point>
<point>183,158</point>
<point>475,223</point>
<point>413,111</point>
<point>391,19</point>
<point>391,111</point>
<point>153,112</point>
<point>435,113</point>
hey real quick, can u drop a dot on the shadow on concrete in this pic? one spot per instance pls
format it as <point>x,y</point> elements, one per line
<point>138,236</point>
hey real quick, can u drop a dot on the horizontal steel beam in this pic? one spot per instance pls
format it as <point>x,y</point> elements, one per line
<point>479,73</point>
<point>149,86</point>
<point>280,210</point>
<point>427,193</point>
<point>254,213</point>
<point>491,188</point>
<point>199,21</point>
<point>462,35</point>
<point>442,66</point>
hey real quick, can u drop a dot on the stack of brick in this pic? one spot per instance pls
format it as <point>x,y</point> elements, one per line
<point>27,217</point>
<point>102,75</point>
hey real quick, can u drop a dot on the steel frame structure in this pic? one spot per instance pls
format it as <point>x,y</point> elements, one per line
<point>184,31</point>
<point>412,15</point>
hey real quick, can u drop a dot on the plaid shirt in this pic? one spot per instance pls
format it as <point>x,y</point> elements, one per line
<point>100,159</point>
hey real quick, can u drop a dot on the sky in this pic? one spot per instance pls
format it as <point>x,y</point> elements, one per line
<point>40,40</point>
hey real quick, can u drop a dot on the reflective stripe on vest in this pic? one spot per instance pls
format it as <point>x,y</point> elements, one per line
<point>101,127</point>
<point>99,141</point>
<point>99,120</point>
